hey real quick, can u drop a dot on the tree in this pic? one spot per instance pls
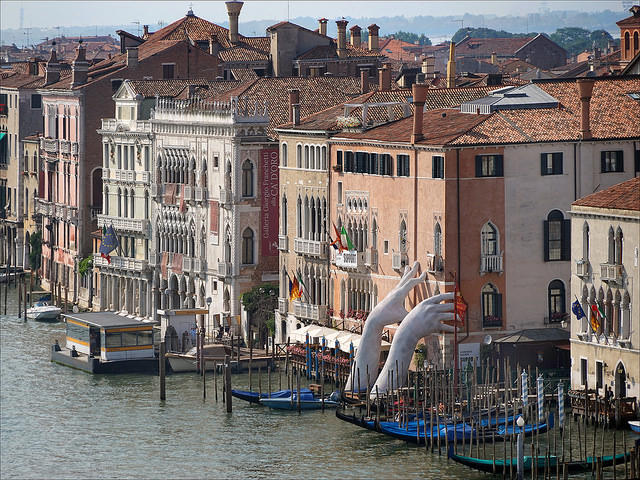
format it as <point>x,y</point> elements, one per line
<point>576,40</point>
<point>486,33</point>
<point>411,37</point>
<point>260,302</point>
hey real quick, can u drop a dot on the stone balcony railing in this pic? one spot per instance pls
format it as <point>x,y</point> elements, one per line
<point>491,264</point>
<point>112,125</point>
<point>309,247</point>
<point>283,305</point>
<point>200,194</point>
<point>44,208</point>
<point>94,212</point>
<point>194,265</point>
<point>308,311</point>
<point>65,146</point>
<point>226,197</point>
<point>188,193</point>
<point>283,242</point>
<point>49,145</point>
<point>611,272</point>
<point>225,269</point>
<point>138,225</point>
<point>124,263</point>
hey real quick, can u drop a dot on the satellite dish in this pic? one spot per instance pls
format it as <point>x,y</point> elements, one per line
<point>487,339</point>
<point>75,309</point>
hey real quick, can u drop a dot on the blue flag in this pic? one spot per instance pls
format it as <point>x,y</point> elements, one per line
<point>109,242</point>
<point>576,308</point>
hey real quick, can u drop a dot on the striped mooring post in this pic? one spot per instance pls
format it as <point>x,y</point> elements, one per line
<point>525,389</point>
<point>561,404</point>
<point>540,392</point>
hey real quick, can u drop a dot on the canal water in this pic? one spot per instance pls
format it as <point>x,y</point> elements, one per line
<point>57,422</point>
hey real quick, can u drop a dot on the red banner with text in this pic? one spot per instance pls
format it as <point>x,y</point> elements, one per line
<point>269,195</point>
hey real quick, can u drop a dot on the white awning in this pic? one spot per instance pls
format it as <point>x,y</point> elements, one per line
<point>331,335</point>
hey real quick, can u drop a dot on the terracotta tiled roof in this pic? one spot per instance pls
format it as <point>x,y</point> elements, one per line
<point>330,51</point>
<point>244,74</point>
<point>198,29</point>
<point>515,65</point>
<point>486,46</point>
<point>315,94</point>
<point>623,196</point>
<point>630,21</point>
<point>243,53</point>
<point>20,80</point>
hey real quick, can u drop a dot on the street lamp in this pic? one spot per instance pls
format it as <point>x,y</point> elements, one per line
<point>209,310</point>
<point>520,422</point>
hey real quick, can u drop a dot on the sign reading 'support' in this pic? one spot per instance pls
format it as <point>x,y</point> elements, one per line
<point>269,212</point>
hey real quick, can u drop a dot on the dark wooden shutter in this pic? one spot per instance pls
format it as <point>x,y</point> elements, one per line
<point>620,161</point>
<point>543,164</point>
<point>566,240</point>
<point>546,240</point>
<point>637,157</point>
<point>498,305</point>
<point>603,162</point>
<point>499,166</point>
<point>399,163</point>
<point>478,165</point>
<point>557,163</point>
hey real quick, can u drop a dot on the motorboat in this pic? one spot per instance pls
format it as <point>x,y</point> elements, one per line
<point>305,402</point>
<point>635,425</point>
<point>186,362</point>
<point>43,312</point>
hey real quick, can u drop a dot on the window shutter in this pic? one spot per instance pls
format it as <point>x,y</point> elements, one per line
<point>434,172</point>
<point>543,164</point>
<point>499,166</point>
<point>498,305</point>
<point>566,240</point>
<point>557,163</point>
<point>637,156</point>
<point>620,162</point>
<point>478,165</point>
<point>546,240</point>
<point>603,162</point>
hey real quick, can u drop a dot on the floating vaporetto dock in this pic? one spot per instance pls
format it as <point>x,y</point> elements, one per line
<point>106,342</point>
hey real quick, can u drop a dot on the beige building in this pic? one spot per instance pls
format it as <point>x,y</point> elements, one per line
<point>605,229</point>
<point>31,176</point>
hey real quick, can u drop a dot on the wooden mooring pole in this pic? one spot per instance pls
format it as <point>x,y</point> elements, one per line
<point>227,382</point>
<point>161,370</point>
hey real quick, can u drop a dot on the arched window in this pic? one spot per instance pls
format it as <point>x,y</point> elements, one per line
<point>585,241</point>
<point>299,218</point>
<point>625,329</point>
<point>146,204</point>
<point>491,306</point>
<point>626,41</point>
<point>133,204</point>
<point>557,237</point>
<point>125,207</point>
<point>437,240</point>
<point>611,244</point>
<point>26,202</point>
<point>106,201</point>
<point>306,156</point>
<point>35,162</point>
<point>119,202</point>
<point>489,239</point>
<point>618,256</point>
<point>324,157</point>
<point>283,219</point>
<point>402,237</point>
<point>374,234</point>
<point>247,179</point>
<point>227,246</point>
<point>285,158</point>
<point>617,314</point>
<point>556,301</point>
<point>247,247</point>
<point>635,42</point>
<point>299,156</point>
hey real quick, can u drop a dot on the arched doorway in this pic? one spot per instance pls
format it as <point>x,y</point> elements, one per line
<point>621,381</point>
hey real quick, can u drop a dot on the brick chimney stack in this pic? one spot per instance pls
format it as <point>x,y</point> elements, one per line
<point>79,67</point>
<point>342,37</point>
<point>384,78</point>
<point>145,31</point>
<point>451,66</point>
<point>428,67</point>
<point>364,80</point>
<point>356,36</point>
<point>233,10</point>
<point>294,99</point>
<point>419,93</point>
<point>52,68</point>
<point>373,37</point>
<point>322,26</point>
<point>132,57</point>
<point>214,46</point>
<point>296,113</point>
<point>494,58</point>
<point>585,89</point>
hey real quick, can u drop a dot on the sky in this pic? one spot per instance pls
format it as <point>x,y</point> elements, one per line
<point>54,13</point>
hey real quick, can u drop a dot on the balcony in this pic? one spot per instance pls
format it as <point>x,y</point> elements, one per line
<point>491,264</point>
<point>65,146</point>
<point>283,243</point>
<point>348,259</point>
<point>125,175</point>
<point>283,305</point>
<point>193,265</point>
<point>105,173</point>
<point>371,257</point>
<point>44,208</point>
<point>309,247</point>
<point>225,269</point>
<point>582,268</point>
<point>114,125</point>
<point>144,177</point>
<point>310,312</point>
<point>226,197</point>
<point>74,148</point>
<point>399,260</point>
<point>49,145</point>
<point>200,194</point>
<point>155,258</point>
<point>188,193</point>
<point>610,272</point>
<point>138,225</point>
<point>156,190</point>
<point>124,263</point>
<point>94,212</point>
<point>435,263</point>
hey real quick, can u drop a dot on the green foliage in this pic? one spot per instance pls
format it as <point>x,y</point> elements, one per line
<point>486,33</point>
<point>85,265</point>
<point>410,37</point>
<point>271,324</point>
<point>260,302</point>
<point>420,355</point>
<point>576,40</point>
<point>35,253</point>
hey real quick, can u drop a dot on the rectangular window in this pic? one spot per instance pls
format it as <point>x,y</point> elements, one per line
<point>551,163</point>
<point>129,339</point>
<point>611,161</point>
<point>489,166</point>
<point>215,286</point>
<point>362,162</point>
<point>113,340</point>
<point>339,160</point>
<point>437,167</point>
<point>4,108</point>
<point>583,371</point>
<point>403,165</point>
<point>168,70</point>
<point>386,246</point>
<point>339,193</point>
<point>36,100</point>
<point>386,164</point>
<point>373,163</point>
<point>349,162</point>
<point>598,374</point>
<point>145,337</point>
<point>491,309</point>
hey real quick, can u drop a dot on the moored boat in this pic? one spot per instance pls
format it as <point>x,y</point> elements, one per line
<point>254,397</point>
<point>43,312</point>
<point>306,402</point>
<point>186,362</point>
<point>635,425</point>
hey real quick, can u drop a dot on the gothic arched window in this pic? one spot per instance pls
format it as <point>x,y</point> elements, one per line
<point>247,179</point>
<point>247,247</point>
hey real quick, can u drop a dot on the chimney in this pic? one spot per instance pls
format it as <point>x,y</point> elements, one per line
<point>79,67</point>
<point>419,93</point>
<point>296,113</point>
<point>342,37</point>
<point>214,46</point>
<point>494,58</point>
<point>585,89</point>
<point>356,36</point>
<point>451,66</point>
<point>364,80</point>
<point>322,26</point>
<point>384,78</point>
<point>52,69</point>
<point>373,37</point>
<point>132,57</point>
<point>294,99</point>
<point>233,10</point>
<point>145,30</point>
<point>428,67</point>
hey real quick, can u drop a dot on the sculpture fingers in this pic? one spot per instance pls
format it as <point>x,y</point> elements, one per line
<point>413,282</point>
<point>447,328</point>
<point>441,307</point>
<point>409,272</point>
<point>440,298</point>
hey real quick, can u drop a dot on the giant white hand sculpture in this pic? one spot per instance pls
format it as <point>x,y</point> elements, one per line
<point>425,319</point>
<point>389,310</point>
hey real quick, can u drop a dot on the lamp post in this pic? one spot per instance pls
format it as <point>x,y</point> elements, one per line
<point>520,423</point>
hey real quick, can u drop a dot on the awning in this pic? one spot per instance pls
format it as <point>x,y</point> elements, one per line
<point>331,335</point>
<point>2,134</point>
<point>537,335</point>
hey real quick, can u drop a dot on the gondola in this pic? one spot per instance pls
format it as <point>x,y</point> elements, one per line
<point>254,397</point>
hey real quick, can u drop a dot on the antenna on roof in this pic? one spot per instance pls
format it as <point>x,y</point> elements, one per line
<point>137,22</point>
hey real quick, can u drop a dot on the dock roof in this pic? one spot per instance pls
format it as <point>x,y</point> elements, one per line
<point>106,319</point>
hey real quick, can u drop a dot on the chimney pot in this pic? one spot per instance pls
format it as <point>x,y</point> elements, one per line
<point>585,91</point>
<point>341,40</point>
<point>145,29</point>
<point>373,37</point>
<point>294,99</point>
<point>52,68</point>
<point>79,67</point>
<point>296,113</point>
<point>233,10</point>
<point>322,26</point>
<point>419,93</point>
<point>364,80</point>
<point>356,36</point>
<point>384,78</point>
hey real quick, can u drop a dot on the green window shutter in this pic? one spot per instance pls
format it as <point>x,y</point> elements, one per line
<point>546,240</point>
<point>566,240</point>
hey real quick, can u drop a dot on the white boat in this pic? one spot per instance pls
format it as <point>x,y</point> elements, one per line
<point>186,362</point>
<point>44,312</point>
